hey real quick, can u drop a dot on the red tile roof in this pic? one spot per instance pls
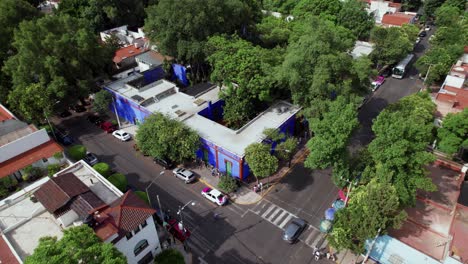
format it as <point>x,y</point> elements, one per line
<point>127,52</point>
<point>5,114</point>
<point>397,19</point>
<point>122,216</point>
<point>459,99</point>
<point>6,256</point>
<point>57,192</point>
<point>29,157</point>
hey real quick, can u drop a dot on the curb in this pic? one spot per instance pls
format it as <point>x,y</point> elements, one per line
<point>293,164</point>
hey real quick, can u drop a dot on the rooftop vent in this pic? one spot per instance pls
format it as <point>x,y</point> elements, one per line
<point>199,102</point>
<point>137,98</point>
<point>174,106</point>
<point>179,113</point>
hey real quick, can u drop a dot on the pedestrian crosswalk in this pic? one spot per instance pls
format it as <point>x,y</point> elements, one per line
<point>281,217</point>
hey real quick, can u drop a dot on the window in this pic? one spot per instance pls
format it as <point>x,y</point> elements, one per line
<point>144,224</point>
<point>137,230</point>
<point>44,160</point>
<point>128,235</point>
<point>140,246</point>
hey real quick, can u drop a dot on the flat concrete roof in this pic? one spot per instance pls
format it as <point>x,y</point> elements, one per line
<point>185,108</point>
<point>362,48</point>
<point>23,222</point>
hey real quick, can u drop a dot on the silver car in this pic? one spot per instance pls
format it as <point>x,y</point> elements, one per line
<point>183,174</point>
<point>294,230</point>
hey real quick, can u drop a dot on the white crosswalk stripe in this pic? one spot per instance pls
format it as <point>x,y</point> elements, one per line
<point>280,218</point>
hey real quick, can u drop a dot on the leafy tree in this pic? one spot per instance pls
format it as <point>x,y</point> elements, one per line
<point>227,184</point>
<point>430,6</point>
<point>273,134</point>
<point>169,256</point>
<point>282,6</point>
<point>78,245</point>
<point>324,8</point>
<point>353,16</point>
<point>183,34</point>
<point>77,152</point>
<point>402,132</point>
<point>103,168</point>
<point>105,14</point>
<point>274,31</point>
<point>454,132</point>
<point>143,196</point>
<point>163,137</point>
<point>260,161</point>
<point>331,134</point>
<point>447,15</point>
<point>53,168</point>
<point>58,58</point>
<point>391,44</point>
<point>285,150</point>
<point>237,110</point>
<point>119,180</point>
<point>371,210</point>
<point>460,4</point>
<point>102,100</point>
<point>411,4</point>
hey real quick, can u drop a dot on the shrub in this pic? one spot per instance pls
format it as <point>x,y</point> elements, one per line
<point>9,183</point>
<point>142,195</point>
<point>53,168</point>
<point>170,256</point>
<point>103,169</point>
<point>77,152</point>
<point>58,155</point>
<point>119,180</point>
<point>227,184</point>
<point>31,173</point>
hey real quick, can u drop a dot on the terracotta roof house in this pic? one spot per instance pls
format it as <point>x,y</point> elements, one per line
<point>398,19</point>
<point>22,145</point>
<point>378,8</point>
<point>453,94</point>
<point>75,196</point>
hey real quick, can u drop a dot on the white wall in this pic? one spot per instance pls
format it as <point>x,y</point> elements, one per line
<point>379,8</point>
<point>23,144</point>
<point>149,233</point>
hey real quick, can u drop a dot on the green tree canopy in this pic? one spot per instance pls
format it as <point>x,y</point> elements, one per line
<point>282,6</point>
<point>183,34</point>
<point>273,134</point>
<point>58,58</point>
<point>286,149</point>
<point>77,152</point>
<point>78,245</point>
<point>391,44</point>
<point>454,132</point>
<point>105,14</point>
<point>260,161</point>
<point>102,101</point>
<point>324,8</point>
<point>227,184</point>
<point>162,137</point>
<point>447,15</point>
<point>169,256</point>
<point>103,168</point>
<point>402,132</point>
<point>119,180</point>
<point>372,208</point>
<point>331,133</point>
<point>353,16</point>
<point>430,6</point>
<point>274,31</point>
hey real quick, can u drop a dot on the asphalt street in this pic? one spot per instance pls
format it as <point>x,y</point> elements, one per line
<point>243,234</point>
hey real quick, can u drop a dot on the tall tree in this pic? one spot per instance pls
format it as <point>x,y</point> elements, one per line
<point>105,14</point>
<point>282,6</point>
<point>402,133</point>
<point>453,133</point>
<point>274,31</point>
<point>331,134</point>
<point>372,209</point>
<point>78,245</point>
<point>323,8</point>
<point>58,58</point>
<point>391,44</point>
<point>447,15</point>
<point>166,138</point>
<point>285,150</point>
<point>102,101</point>
<point>354,16</point>
<point>260,161</point>
<point>183,34</point>
<point>430,6</point>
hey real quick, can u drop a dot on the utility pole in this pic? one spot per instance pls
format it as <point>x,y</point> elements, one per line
<point>115,111</point>
<point>427,73</point>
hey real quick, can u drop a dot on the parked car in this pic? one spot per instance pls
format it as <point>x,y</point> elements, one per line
<point>165,163</point>
<point>294,230</point>
<point>94,119</point>
<point>214,196</point>
<point>418,39</point>
<point>122,135</point>
<point>377,82</point>
<point>77,108</point>
<point>64,114</point>
<point>63,138</point>
<point>427,28</point>
<point>422,34</point>
<point>173,227</point>
<point>90,158</point>
<point>183,174</point>
<point>107,126</point>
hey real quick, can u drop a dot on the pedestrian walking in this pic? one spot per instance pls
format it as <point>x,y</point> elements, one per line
<point>328,255</point>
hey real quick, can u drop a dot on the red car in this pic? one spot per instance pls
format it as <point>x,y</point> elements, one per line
<point>173,228</point>
<point>107,126</point>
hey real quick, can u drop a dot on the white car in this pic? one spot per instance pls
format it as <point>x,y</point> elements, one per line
<point>183,174</point>
<point>418,39</point>
<point>122,135</point>
<point>427,28</point>
<point>214,196</point>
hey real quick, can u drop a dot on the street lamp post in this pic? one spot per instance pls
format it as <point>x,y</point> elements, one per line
<point>181,222</point>
<point>427,73</point>
<point>149,199</point>
<point>51,128</point>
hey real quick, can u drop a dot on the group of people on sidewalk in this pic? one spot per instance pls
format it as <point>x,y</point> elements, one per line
<point>318,254</point>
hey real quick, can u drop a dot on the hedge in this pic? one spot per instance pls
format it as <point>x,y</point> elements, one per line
<point>103,169</point>
<point>118,180</point>
<point>170,256</point>
<point>77,152</point>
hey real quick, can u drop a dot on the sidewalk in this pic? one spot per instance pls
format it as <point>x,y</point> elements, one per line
<point>348,257</point>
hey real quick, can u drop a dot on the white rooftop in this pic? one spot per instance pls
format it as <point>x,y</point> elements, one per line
<point>362,48</point>
<point>185,108</point>
<point>23,222</point>
<point>454,81</point>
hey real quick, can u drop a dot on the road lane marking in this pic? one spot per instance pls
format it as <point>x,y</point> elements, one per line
<point>268,211</point>
<point>278,219</point>
<point>285,221</point>
<point>310,237</point>
<point>274,214</point>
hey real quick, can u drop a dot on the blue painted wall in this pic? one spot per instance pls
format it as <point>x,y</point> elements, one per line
<point>180,73</point>
<point>223,156</point>
<point>154,74</point>
<point>128,110</point>
<point>213,111</point>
